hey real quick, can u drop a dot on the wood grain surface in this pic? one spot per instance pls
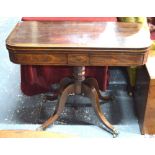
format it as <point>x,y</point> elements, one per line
<point>87,43</point>
<point>145,95</point>
<point>32,134</point>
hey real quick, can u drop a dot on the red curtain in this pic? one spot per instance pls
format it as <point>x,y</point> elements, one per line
<point>38,79</point>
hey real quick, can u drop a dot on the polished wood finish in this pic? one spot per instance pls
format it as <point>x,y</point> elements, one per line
<point>145,96</point>
<point>32,134</point>
<point>79,86</point>
<point>78,43</point>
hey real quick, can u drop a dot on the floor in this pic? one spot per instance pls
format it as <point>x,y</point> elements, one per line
<point>18,111</point>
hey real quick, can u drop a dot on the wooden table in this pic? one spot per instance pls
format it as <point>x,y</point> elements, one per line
<point>144,95</point>
<point>79,44</point>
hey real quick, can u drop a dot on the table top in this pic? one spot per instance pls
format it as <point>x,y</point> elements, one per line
<point>92,40</point>
<point>79,34</point>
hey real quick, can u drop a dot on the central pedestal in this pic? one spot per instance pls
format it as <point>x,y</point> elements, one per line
<point>79,86</point>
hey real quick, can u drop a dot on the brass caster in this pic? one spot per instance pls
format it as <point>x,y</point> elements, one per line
<point>40,128</point>
<point>115,133</point>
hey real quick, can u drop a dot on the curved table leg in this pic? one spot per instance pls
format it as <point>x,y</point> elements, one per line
<point>63,83</point>
<point>92,82</point>
<point>93,95</point>
<point>49,98</point>
<point>60,107</point>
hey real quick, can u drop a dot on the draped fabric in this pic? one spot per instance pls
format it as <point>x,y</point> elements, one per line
<point>37,79</point>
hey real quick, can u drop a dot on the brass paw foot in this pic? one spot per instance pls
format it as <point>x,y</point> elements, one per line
<point>115,133</point>
<point>40,128</point>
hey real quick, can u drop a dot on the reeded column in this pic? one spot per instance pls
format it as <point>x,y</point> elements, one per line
<point>79,76</point>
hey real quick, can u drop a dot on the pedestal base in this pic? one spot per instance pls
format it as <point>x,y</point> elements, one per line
<point>81,86</point>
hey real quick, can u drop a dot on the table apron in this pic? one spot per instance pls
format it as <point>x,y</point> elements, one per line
<point>78,59</point>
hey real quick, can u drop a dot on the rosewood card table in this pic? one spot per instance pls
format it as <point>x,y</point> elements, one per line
<point>79,44</point>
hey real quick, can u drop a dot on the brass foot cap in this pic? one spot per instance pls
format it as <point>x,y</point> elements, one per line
<point>115,133</point>
<point>40,128</point>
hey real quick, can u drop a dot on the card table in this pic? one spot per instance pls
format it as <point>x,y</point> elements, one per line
<point>79,44</point>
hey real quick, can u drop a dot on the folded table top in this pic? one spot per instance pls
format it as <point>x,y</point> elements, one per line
<point>79,43</point>
<point>72,34</point>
